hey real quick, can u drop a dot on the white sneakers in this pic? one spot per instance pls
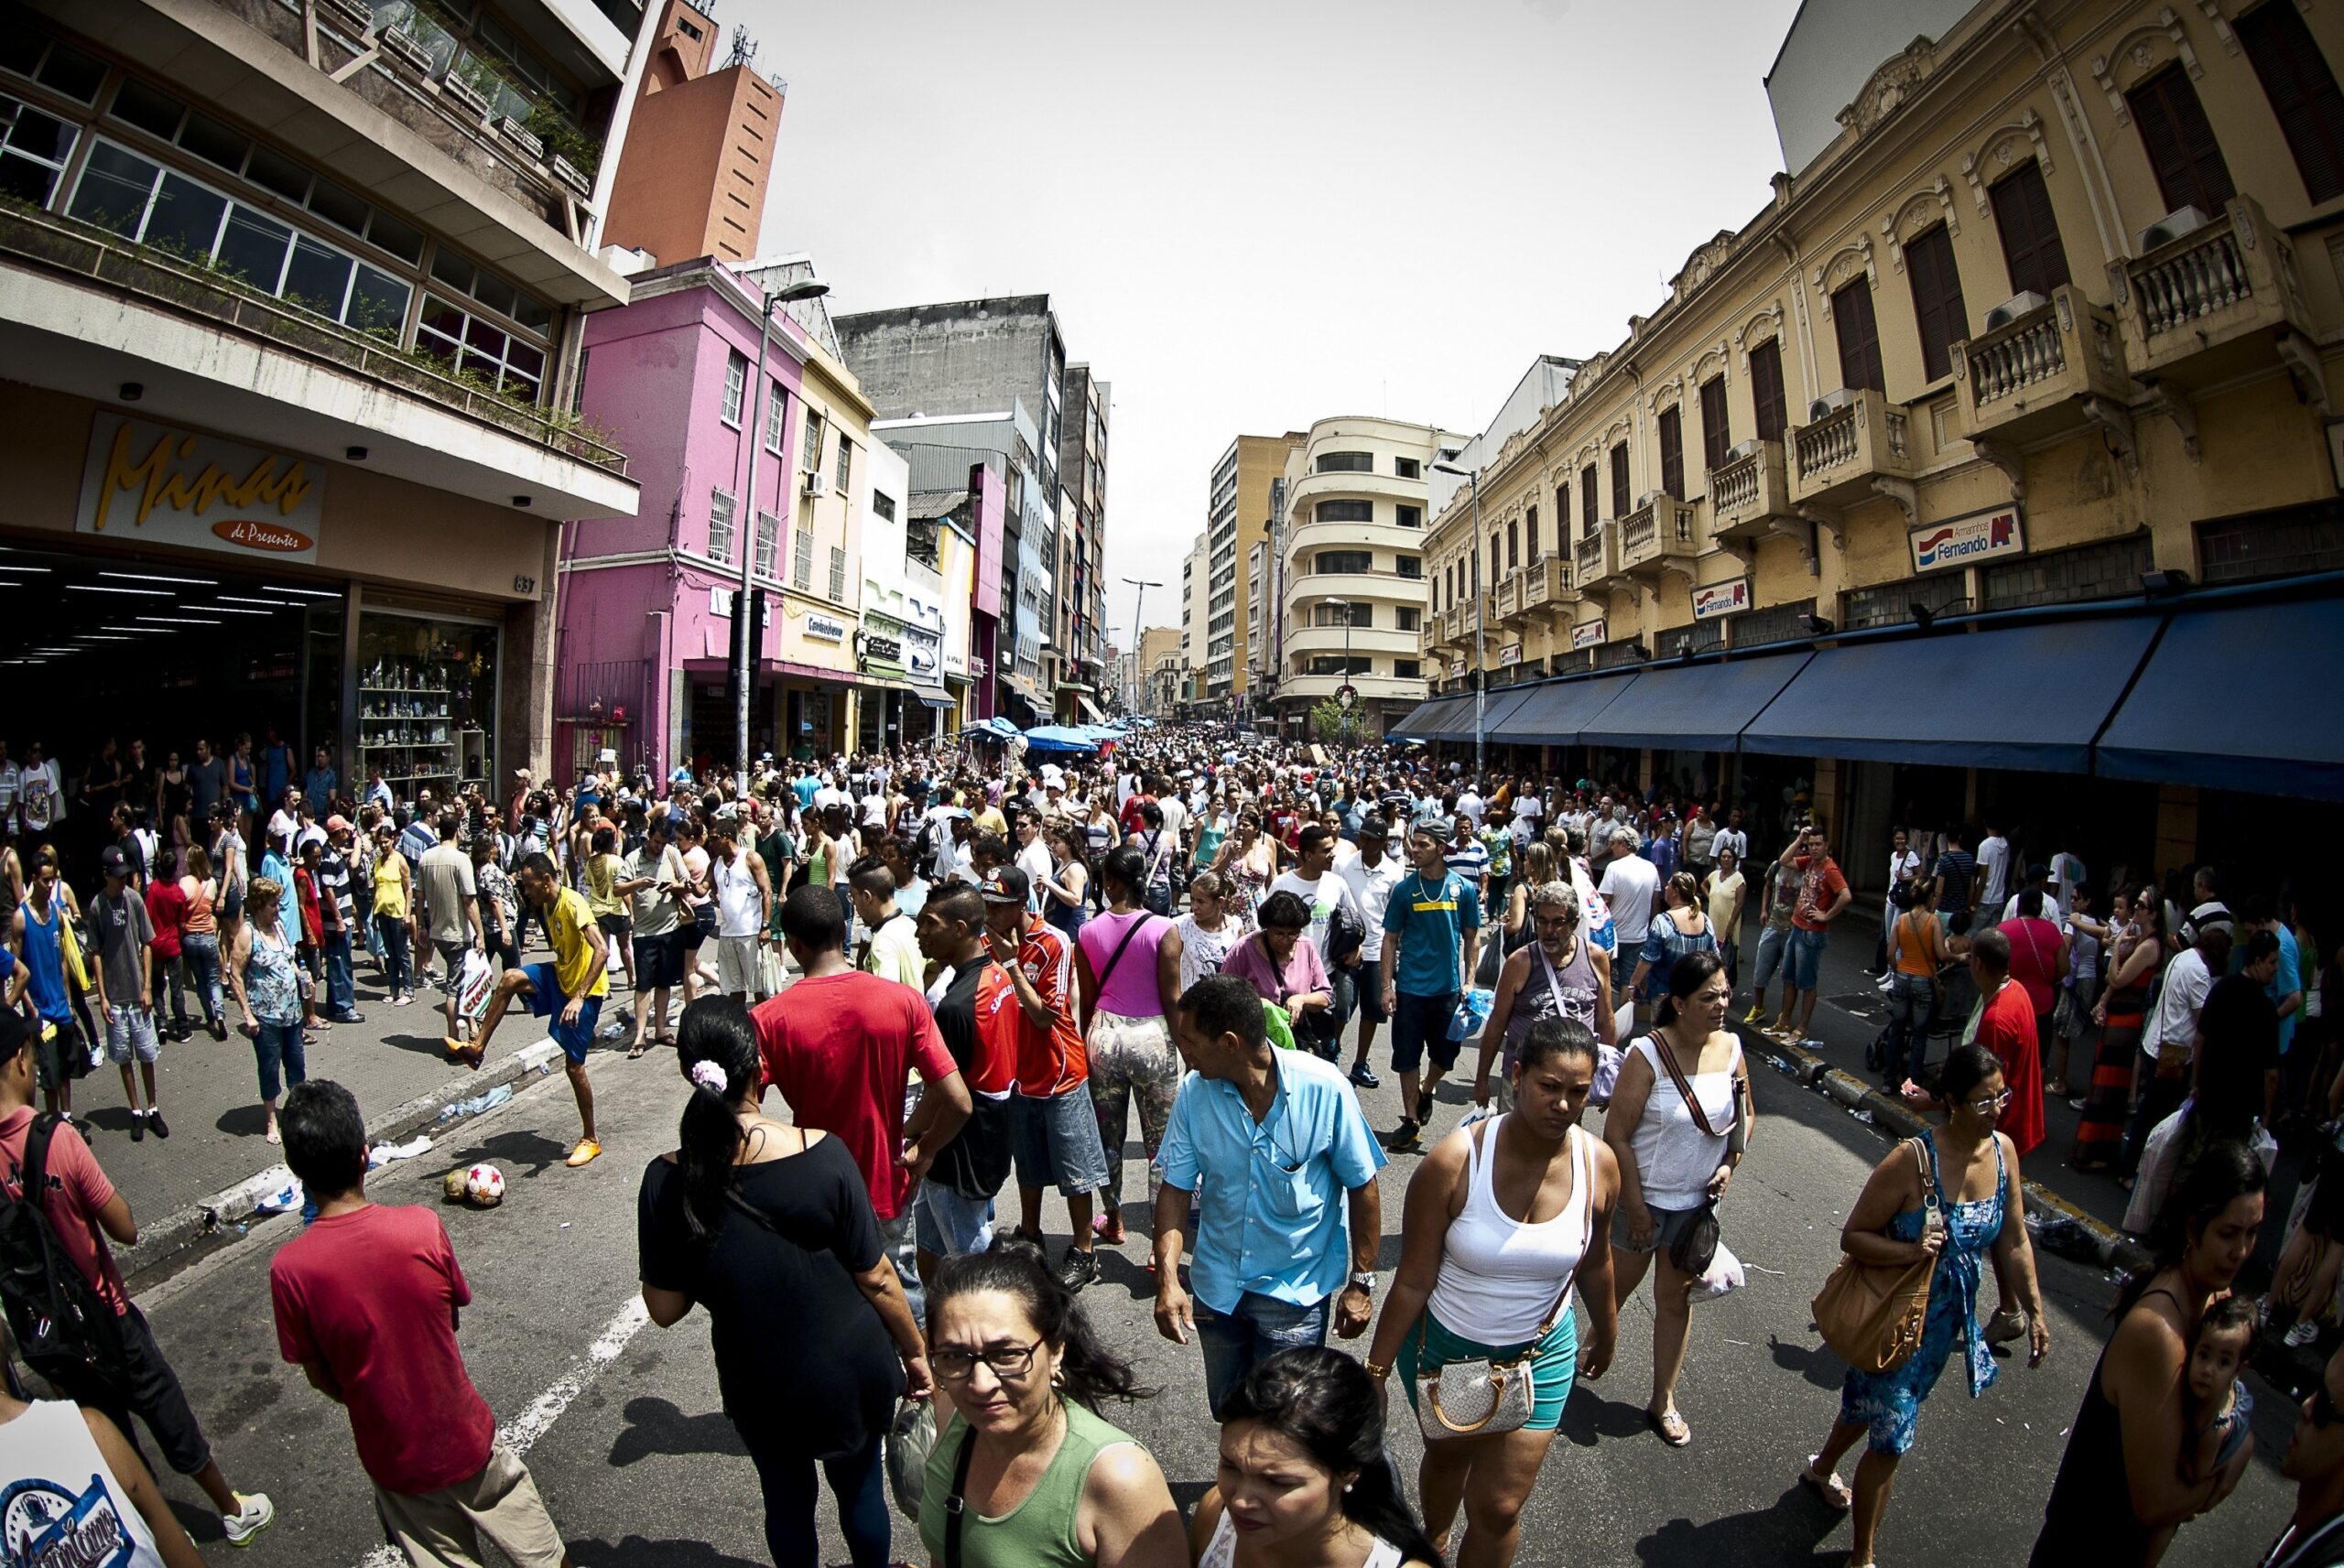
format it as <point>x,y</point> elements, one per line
<point>255,1516</point>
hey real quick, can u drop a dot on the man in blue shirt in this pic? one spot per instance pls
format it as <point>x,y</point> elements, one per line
<point>1266,1139</point>
<point>1434,912</point>
<point>319,784</point>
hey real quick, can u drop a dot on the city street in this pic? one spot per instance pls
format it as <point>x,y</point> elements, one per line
<point>623,1428</point>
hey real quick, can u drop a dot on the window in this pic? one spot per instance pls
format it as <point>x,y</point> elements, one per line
<point>846,462</point>
<point>1587,511</point>
<point>1408,516</point>
<point>1344,614</point>
<point>720,528</point>
<point>2180,144</point>
<point>1937,307</point>
<point>1330,561</point>
<point>1859,337</point>
<point>768,543</point>
<point>838,573</point>
<point>776,409</point>
<point>51,63</point>
<point>2031,248</point>
<point>1563,517</point>
<point>1672,452</point>
<point>1407,467</point>
<point>1409,617</point>
<point>1496,569</point>
<point>1530,532</point>
<point>1412,567</point>
<point>477,344</point>
<point>810,456</point>
<point>2302,89</point>
<point>1717,435</point>
<point>1345,462</point>
<point>1343,511</point>
<point>1408,669</point>
<point>1337,664</point>
<point>487,287</point>
<point>1767,388</point>
<point>802,560</point>
<point>1620,479</point>
<point>1513,543</point>
<point>884,504</point>
<point>736,383</point>
<point>33,150</point>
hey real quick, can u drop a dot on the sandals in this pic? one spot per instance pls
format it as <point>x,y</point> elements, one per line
<point>635,1051</point>
<point>1671,1426</point>
<point>1832,1490</point>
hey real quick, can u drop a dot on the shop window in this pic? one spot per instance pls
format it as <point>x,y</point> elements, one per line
<point>1698,636</point>
<point>426,701</point>
<point>1891,603</point>
<point>1776,623</point>
<point>33,150</point>
<point>2107,571</point>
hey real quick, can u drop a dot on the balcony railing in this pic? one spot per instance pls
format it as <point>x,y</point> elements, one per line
<point>1838,458</point>
<point>2210,303</point>
<point>1546,585</point>
<point>1596,557</point>
<point>1656,533</point>
<point>1748,493</point>
<point>1507,598</point>
<point>2030,374</point>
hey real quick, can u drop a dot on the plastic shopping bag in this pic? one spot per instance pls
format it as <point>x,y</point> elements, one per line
<point>477,979</point>
<point>1473,1011</point>
<point>1723,1276</point>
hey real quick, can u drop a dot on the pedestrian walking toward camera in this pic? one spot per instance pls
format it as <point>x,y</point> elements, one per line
<point>1505,1231</point>
<point>1823,893</point>
<point>367,1300</point>
<point>1559,975</point>
<point>1954,1195</point>
<point>394,911</point>
<point>1679,1121</point>
<point>267,981</point>
<point>1432,936</point>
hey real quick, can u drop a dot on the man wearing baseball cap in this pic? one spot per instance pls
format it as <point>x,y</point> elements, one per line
<point>1054,1133</point>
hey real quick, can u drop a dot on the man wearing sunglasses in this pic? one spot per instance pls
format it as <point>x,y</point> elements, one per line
<point>2315,1462</point>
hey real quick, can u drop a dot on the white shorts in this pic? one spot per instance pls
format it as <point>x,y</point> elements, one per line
<point>736,966</point>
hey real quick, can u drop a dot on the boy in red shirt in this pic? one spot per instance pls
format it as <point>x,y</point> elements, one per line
<point>167,912</point>
<point>366,1302</point>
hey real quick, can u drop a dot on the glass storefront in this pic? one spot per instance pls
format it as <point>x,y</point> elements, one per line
<point>427,699</point>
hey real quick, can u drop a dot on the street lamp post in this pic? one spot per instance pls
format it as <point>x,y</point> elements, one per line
<point>1481,674</point>
<point>1138,599</point>
<point>747,637</point>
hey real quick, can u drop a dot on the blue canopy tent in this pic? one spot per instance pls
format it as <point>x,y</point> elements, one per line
<point>1058,738</point>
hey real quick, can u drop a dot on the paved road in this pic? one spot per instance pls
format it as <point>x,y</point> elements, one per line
<point>641,1467</point>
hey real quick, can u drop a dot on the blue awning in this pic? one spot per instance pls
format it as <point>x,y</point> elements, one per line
<point>2030,696</point>
<point>1693,707</point>
<point>1426,722</point>
<point>1555,713</point>
<point>2216,706</point>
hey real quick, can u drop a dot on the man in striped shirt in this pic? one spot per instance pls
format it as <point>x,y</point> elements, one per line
<point>336,918</point>
<point>1470,859</point>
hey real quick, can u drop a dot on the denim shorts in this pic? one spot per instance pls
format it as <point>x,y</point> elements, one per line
<point>947,1224</point>
<point>130,1032</point>
<point>1056,1141</point>
<point>1807,957</point>
<point>1668,1224</point>
<point>1420,1025</point>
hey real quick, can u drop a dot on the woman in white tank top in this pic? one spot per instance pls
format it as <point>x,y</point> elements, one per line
<point>1507,1229</point>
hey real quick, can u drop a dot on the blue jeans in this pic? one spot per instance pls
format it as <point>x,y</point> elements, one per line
<point>201,952</point>
<point>1912,1001</point>
<point>279,1045</point>
<point>398,976</point>
<point>1771,946</point>
<point>1235,1342</point>
<point>341,996</point>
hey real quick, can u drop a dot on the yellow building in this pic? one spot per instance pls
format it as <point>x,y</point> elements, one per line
<point>2054,310</point>
<point>1236,540</point>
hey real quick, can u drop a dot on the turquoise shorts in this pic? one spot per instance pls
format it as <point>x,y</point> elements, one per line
<point>1430,1345</point>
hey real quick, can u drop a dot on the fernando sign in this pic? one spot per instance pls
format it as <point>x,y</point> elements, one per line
<point>153,483</point>
<point>1957,541</point>
<point>1721,598</point>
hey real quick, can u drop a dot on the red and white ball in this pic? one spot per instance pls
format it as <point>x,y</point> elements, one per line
<point>485,1186</point>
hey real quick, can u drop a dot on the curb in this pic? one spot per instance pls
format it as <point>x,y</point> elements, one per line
<point>160,1242</point>
<point>2113,1249</point>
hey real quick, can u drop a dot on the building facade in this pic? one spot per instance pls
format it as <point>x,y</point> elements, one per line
<point>699,152</point>
<point>291,371</point>
<point>1235,540</point>
<point>1081,587</point>
<point>2047,324</point>
<point>1350,588</point>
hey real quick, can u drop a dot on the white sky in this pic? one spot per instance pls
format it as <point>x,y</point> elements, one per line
<point>1252,216</point>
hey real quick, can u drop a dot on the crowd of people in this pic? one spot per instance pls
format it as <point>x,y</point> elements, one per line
<point>963,969</point>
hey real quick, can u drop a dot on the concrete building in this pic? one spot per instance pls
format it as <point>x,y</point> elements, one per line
<point>1081,583</point>
<point>1195,574</point>
<point>1236,537</point>
<point>1350,593</point>
<point>900,647</point>
<point>289,303</point>
<point>1158,653</point>
<point>699,145</point>
<point>2024,370</point>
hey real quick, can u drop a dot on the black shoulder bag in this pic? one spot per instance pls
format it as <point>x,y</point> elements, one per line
<point>1697,1245</point>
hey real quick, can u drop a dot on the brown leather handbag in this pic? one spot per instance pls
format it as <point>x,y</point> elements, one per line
<point>1872,1314</point>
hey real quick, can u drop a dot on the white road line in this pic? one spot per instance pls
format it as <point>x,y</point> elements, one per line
<point>521,1434</point>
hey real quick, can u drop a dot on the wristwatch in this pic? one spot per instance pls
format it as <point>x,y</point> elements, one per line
<point>1363,1279</point>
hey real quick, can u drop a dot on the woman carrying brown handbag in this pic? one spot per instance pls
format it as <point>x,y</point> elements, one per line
<point>1971,1171</point>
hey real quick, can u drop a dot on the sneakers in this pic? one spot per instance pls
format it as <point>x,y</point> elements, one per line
<point>2300,1332</point>
<point>1079,1268</point>
<point>1364,1076</point>
<point>1757,1011</point>
<point>138,1127</point>
<point>587,1152</point>
<point>2005,1325</point>
<point>1404,1138</point>
<point>256,1515</point>
<point>352,1017</point>
<point>1423,1105</point>
<point>402,1001</point>
<point>155,1123</point>
<point>470,1054</point>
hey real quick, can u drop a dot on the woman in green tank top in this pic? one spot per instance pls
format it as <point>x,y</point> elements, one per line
<point>1045,1481</point>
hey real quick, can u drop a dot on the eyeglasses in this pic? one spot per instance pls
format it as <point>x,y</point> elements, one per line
<point>1009,1362</point>
<point>1991,1103</point>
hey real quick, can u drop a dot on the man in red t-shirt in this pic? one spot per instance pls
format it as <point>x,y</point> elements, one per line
<point>79,1202</point>
<point>366,1302</point>
<point>841,1046</point>
<point>167,912</point>
<point>1054,1131</point>
<point>2006,1027</point>
<point>1823,893</point>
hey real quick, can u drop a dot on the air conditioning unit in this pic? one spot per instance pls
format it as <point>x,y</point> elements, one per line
<point>1650,496</point>
<point>2011,309</point>
<point>1829,402</point>
<point>1742,449</point>
<point>2169,228</point>
<point>815,484</point>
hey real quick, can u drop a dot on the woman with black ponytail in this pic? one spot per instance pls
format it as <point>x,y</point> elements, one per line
<point>770,1228</point>
<point>1303,1480</point>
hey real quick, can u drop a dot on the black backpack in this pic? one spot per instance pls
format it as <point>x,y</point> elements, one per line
<point>63,1328</point>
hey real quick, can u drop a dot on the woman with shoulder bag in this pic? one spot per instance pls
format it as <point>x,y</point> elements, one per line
<point>1127,971</point>
<point>1679,1118</point>
<point>1555,977</point>
<point>1954,1195</point>
<point>1506,1221</point>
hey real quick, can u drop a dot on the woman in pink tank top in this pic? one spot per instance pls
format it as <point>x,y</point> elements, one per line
<point>1128,963</point>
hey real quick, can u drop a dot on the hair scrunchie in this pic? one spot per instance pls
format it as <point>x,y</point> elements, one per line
<point>710,1077</point>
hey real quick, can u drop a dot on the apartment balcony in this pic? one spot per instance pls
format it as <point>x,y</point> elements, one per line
<point>1358,640</point>
<point>1313,488</point>
<point>1304,587</point>
<point>1751,494</point>
<point>1853,452</point>
<point>1659,537</point>
<point>1546,588</point>
<point>2055,368</point>
<point>2219,301</point>
<point>1505,601</point>
<point>1306,539</point>
<point>1595,560</point>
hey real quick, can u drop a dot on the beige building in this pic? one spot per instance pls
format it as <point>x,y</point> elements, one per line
<point>2056,307</point>
<point>1237,528</point>
<point>1159,652</point>
<point>1351,589</point>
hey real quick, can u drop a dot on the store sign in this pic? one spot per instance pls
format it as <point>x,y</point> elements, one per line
<point>1721,598</point>
<point>825,630</point>
<point>956,663</point>
<point>1510,654</point>
<point>1982,535</point>
<point>887,650</point>
<point>923,654</point>
<point>152,483</point>
<point>1588,634</point>
<point>1456,668</point>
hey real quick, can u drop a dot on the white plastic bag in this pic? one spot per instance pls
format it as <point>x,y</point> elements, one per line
<point>1724,1277</point>
<point>478,979</point>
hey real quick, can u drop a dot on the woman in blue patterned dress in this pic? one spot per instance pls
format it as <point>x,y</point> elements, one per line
<point>1936,1193</point>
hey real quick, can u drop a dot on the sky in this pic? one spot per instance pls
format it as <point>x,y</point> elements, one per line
<point>1252,217</point>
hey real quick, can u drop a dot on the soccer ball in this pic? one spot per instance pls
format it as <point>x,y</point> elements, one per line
<point>485,1185</point>
<point>451,1186</point>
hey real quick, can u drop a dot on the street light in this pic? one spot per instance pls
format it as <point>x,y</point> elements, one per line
<point>748,637</point>
<point>1473,554</point>
<point>1137,600</point>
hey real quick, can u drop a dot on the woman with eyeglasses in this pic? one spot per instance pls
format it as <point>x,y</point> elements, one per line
<point>1554,977</point>
<point>770,1228</point>
<point>1955,1195</point>
<point>2121,1491</point>
<point>1026,1473</point>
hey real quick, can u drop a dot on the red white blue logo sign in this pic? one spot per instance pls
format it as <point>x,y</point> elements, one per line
<point>1721,598</point>
<point>1957,542</point>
